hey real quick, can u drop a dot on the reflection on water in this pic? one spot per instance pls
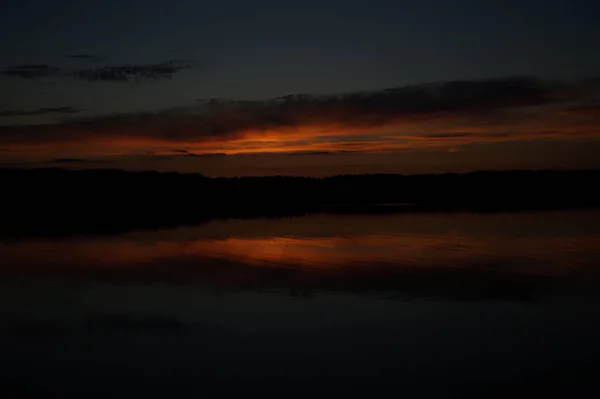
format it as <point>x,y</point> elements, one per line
<point>460,297</point>
<point>545,242</point>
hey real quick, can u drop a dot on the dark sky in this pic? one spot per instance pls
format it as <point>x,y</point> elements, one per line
<point>120,82</point>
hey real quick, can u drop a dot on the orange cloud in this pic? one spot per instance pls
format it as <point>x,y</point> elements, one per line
<point>442,115</point>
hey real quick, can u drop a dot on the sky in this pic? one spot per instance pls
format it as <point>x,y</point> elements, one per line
<point>238,87</point>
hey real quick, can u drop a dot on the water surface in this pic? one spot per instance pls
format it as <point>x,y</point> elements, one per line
<point>423,304</point>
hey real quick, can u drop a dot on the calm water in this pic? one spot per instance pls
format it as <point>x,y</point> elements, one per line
<point>409,304</point>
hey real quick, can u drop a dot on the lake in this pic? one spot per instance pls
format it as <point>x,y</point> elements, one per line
<point>408,304</point>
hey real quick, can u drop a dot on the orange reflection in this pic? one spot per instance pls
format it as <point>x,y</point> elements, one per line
<point>371,251</point>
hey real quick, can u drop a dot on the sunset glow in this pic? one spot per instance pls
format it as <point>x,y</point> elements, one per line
<point>452,117</point>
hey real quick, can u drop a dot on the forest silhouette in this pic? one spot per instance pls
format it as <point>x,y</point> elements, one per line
<point>55,201</point>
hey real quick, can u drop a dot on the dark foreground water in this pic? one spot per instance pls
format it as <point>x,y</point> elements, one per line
<point>409,305</point>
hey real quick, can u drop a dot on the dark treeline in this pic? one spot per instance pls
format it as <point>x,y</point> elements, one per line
<point>56,200</point>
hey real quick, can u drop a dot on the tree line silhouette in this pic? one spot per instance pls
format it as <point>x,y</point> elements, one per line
<point>54,200</point>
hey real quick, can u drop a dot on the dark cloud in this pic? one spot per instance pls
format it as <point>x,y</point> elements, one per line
<point>489,135</point>
<point>115,73</point>
<point>80,56</point>
<point>584,110</point>
<point>178,152</point>
<point>319,153</point>
<point>125,73</point>
<point>449,135</point>
<point>31,71</point>
<point>207,155</point>
<point>68,160</point>
<point>299,153</point>
<point>453,103</point>
<point>76,161</point>
<point>40,111</point>
<point>381,107</point>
